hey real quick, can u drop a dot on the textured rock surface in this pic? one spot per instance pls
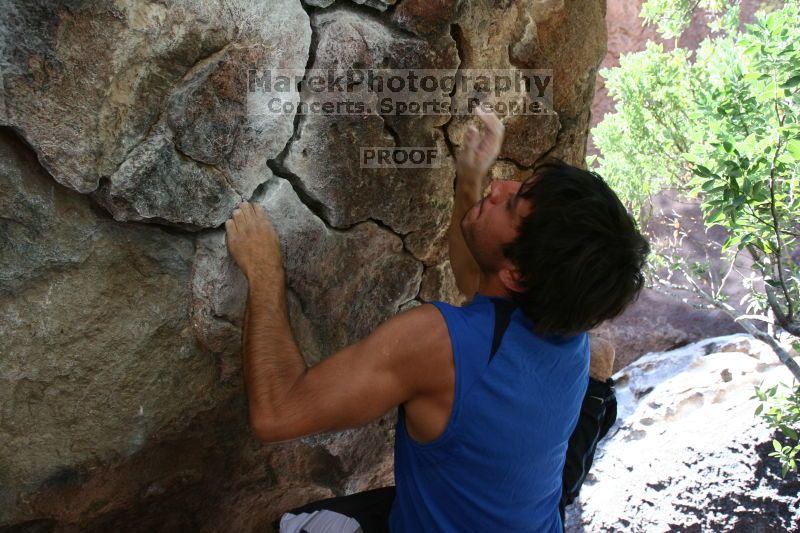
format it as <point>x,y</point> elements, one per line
<point>364,266</point>
<point>380,5</point>
<point>95,322</point>
<point>129,137</point>
<point>687,452</point>
<point>156,121</point>
<point>412,202</point>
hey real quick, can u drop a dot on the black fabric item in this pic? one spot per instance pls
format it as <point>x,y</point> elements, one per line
<point>598,414</point>
<point>370,508</point>
<point>502,317</point>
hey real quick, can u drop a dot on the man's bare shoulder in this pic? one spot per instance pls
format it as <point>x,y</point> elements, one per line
<point>420,341</point>
<point>422,326</point>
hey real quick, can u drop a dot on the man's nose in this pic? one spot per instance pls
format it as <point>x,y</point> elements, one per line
<point>496,190</point>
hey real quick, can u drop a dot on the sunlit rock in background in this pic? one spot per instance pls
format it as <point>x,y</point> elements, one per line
<point>687,452</point>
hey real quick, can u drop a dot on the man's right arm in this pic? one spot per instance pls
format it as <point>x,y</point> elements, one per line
<point>465,269</point>
<point>478,153</point>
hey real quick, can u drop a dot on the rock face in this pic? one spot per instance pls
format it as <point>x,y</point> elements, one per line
<point>96,330</point>
<point>687,452</point>
<point>151,101</point>
<point>221,290</point>
<point>129,133</point>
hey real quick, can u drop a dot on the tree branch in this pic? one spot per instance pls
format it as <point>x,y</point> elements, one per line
<point>775,223</point>
<point>748,325</point>
<point>792,326</point>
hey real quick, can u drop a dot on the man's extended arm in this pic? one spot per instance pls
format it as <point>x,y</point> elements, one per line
<point>477,155</point>
<point>351,387</point>
<point>272,361</point>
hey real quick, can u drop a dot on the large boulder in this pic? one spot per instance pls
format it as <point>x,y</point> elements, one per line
<point>687,452</point>
<point>130,131</point>
<point>145,105</point>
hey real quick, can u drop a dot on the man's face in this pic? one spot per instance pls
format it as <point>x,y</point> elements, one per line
<point>494,222</point>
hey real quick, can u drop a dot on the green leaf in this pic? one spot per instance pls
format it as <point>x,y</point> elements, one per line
<point>793,147</point>
<point>732,240</point>
<point>791,82</point>
<point>701,171</point>
<point>747,186</point>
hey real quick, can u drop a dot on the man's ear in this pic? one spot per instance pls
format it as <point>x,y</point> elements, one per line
<point>510,277</point>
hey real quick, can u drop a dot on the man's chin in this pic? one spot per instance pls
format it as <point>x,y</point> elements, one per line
<point>466,223</point>
<point>474,211</point>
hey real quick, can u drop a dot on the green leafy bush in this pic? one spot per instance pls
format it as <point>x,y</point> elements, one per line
<point>720,125</point>
<point>781,410</point>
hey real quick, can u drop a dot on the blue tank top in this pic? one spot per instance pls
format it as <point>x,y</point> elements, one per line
<point>498,464</point>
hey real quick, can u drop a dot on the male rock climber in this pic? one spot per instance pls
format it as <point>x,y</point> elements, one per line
<point>500,408</point>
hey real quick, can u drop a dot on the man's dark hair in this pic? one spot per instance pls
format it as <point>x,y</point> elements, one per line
<point>579,251</point>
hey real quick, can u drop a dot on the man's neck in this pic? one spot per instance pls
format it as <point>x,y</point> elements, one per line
<point>490,285</point>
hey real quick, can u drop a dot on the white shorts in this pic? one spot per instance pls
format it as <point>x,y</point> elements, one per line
<point>323,521</point>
